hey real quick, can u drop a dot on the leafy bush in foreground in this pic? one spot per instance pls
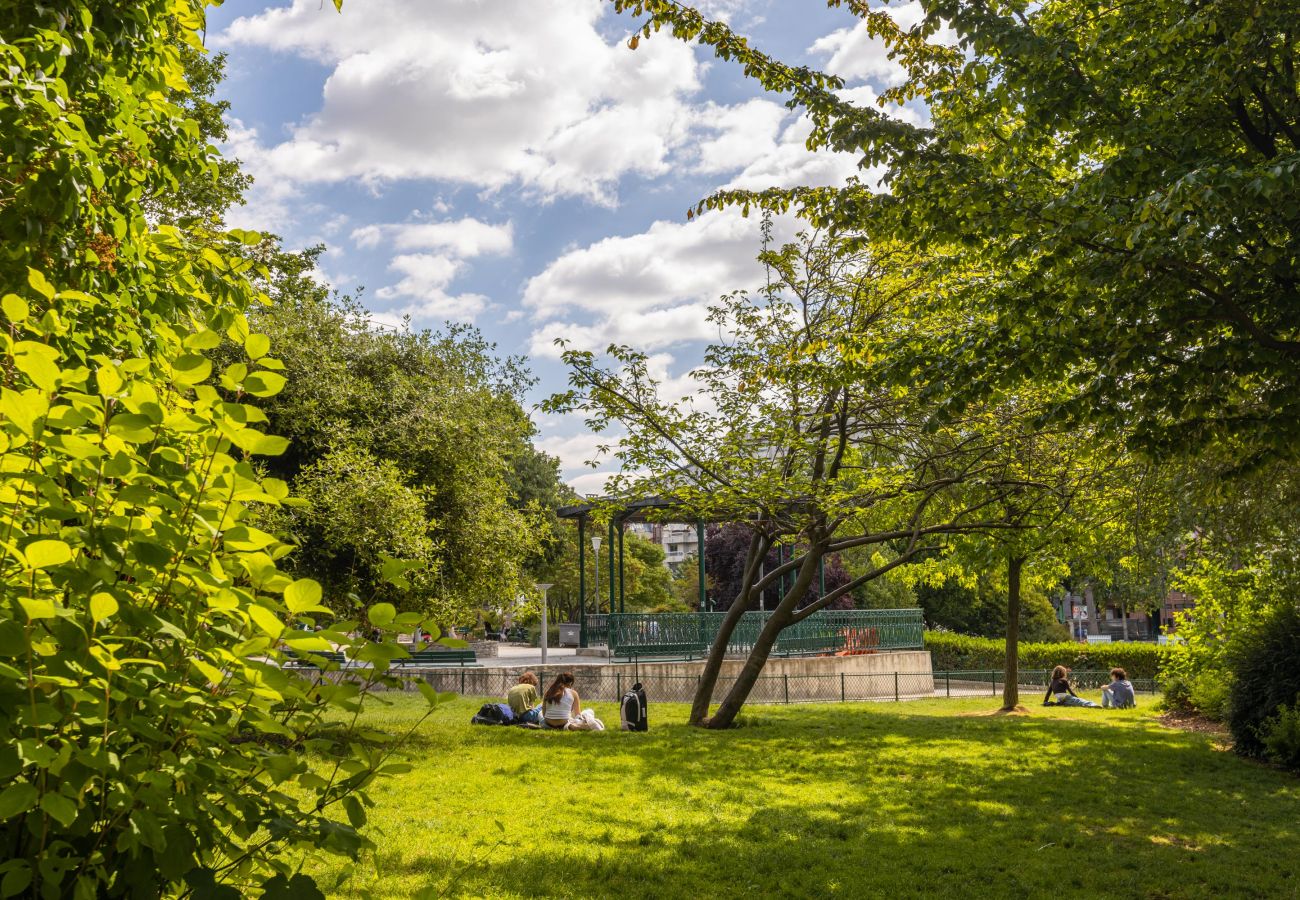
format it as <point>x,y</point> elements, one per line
<point>150,744</point>
<point>959,651</point>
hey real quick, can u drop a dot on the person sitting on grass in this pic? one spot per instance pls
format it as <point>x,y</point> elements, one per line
<point>1061,690</point>
<point>524,700</point>
<point>1119,693</point>
<point>562,708</point>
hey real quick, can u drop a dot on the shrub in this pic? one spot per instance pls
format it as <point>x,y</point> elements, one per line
<point>959,651</point>
<point>150,743</point>
<point>1281,736</point>
<point>1265,662</point>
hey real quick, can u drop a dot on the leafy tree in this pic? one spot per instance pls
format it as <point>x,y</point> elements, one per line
<point>440,415</point>
<point>726,549</point>
<point>1114,185</point>
<point>152,743</point>
<point>798,437</point>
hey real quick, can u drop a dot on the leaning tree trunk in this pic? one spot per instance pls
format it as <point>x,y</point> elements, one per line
<point>758,654</point>
<point>758,547</point>
<point>1011,686</point>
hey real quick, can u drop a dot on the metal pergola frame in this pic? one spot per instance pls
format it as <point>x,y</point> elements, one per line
<point>659,510</point>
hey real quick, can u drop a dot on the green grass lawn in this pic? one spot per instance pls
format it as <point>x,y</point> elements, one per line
<point>870,799</point>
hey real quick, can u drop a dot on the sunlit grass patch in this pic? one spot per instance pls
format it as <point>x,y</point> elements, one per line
<point>910,799</point>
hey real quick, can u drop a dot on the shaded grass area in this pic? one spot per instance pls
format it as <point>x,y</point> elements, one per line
<point>914,799</point>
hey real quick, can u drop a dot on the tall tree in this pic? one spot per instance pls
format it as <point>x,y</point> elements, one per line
<point>797,436</point>
<point>1119,181</point>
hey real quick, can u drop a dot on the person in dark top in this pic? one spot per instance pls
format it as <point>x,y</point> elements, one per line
<point>1062,692</point>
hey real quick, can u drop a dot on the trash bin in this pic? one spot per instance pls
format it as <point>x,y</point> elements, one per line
<point>570,635</point>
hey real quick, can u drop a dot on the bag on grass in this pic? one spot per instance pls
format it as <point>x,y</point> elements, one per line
<point>493,714</point>
<point>633,712</point>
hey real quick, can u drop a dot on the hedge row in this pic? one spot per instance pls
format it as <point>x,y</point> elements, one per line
<point>953,652</point>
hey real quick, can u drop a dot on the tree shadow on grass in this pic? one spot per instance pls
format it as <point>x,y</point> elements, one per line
<point>826,801</point>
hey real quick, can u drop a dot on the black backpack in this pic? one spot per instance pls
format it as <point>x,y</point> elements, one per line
<point>633,711</point>
<point>493,714</point>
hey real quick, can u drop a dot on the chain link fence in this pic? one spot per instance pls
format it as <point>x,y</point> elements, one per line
<point>600,685</point>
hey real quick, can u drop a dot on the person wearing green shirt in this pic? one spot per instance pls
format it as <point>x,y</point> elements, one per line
<point>524,700</point>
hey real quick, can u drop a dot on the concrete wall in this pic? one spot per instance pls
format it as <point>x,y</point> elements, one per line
<point>901,674</point>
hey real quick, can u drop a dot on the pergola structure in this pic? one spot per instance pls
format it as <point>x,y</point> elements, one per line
<point>660,510</point>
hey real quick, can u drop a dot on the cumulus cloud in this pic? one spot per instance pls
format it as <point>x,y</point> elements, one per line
<point>422,293</point>
<point>651,290</point>
<point>522,92</point>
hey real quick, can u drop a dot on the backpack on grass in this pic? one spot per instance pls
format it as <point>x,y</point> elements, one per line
<point>633,711</point>
<point>493,714</point>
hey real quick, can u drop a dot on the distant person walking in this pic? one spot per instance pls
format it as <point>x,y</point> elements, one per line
<point>1060,691</point>
<point>1119,693</point>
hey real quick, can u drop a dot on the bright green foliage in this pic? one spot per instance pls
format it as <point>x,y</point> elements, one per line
<point>978,606</point>
<point>431,419</point>
<point>150,744</point>
<point>908,800</point>
<point>1281,736</point>
<point>959,651</point>
<point>647,583</point>
<point>1115,186</point>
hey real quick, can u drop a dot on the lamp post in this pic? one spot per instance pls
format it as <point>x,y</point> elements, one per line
<point>595,546</point>
<point>545,634</point>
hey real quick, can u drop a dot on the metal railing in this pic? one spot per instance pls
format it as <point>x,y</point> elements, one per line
<point>598,684</point>
<point>688,635</point>
<point>597,629</point>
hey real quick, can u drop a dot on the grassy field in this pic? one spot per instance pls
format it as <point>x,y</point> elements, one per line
<point>929,798</point>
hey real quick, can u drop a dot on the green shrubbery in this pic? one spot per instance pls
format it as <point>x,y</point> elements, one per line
<point>959,651</point>
<point>1265,664</point>
<point>150,743</point>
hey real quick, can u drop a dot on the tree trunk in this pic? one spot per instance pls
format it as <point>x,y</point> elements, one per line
<point>1123,616</point>
<point>718,652</point>
<point>758,654</point>
<point>1011,686</point>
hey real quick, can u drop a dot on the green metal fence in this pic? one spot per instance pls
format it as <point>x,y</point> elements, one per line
<point>690,635</point>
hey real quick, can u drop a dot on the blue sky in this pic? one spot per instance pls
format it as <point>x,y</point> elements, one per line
<point>512,164</point>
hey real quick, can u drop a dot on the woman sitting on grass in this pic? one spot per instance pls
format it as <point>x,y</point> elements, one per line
<point>562,708</point>
<point>1061,690</point>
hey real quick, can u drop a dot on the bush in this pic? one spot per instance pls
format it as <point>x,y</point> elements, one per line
<point>953,652</point>
<point>150,743</point>
<point>1281,736</point>
<point>1265,662</point>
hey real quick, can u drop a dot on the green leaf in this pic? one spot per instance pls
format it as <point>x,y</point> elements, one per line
<point>39,363</point>
<point>15,308</point>
<point>60,808</point>
<point>45,553</point>
<point>102,606</point>
<point>16,879</point>
<point>191,368</point>
<point>40,284</point>
<point>109,381</point>
<point>382,614</point>
<point>257,346</point>
<point>302,595</point>
<point>264,384</point>
<point>17,799</point>
<point>266,620</point>
<point>299,887</point>
<point>23,409</point>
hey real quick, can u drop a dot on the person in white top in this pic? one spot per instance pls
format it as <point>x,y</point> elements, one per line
<point>562,708</point>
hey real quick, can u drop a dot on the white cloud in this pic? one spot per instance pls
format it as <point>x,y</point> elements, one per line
<point>852,53</point>
<point>426,277</point>
<point>651,290</point>
<point>489,94</point>
<point>465,237</point>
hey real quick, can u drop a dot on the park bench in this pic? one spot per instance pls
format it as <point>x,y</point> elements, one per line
<point>517,635</point>
<point>662,651</point>
<point>439,658</point>
<point>332,658</point>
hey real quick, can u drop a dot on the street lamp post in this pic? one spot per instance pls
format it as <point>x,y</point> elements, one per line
<point>545,628</point>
